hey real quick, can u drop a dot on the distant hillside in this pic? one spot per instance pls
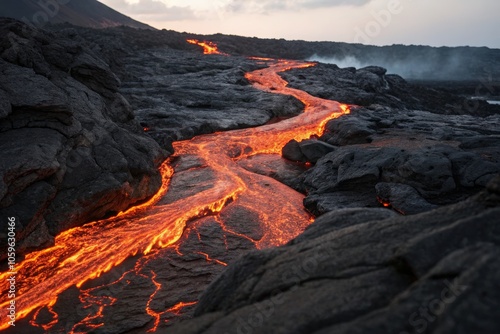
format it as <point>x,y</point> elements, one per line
<point>479,65</point>
<point>410,61</point>
<point>84,13</point>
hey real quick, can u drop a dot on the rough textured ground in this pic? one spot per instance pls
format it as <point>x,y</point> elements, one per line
<point>178,95</point>
<point>409,149</point>
<point>75,150</point>
<point>367,270</point>
<point>85,13</point>
<point>72,150</point>
<point>359,269</point>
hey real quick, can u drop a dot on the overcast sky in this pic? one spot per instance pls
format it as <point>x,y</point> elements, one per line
<point>379,22</point>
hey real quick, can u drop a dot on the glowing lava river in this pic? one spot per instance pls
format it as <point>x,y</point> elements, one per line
<point>104,264</point>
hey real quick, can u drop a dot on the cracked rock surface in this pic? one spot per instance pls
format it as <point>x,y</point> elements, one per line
<point>411,148</point>
<point>71,148</point>
<point>367,270</point>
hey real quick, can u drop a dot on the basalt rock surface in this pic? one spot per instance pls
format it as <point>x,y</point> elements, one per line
<point>178,95</point>
<point>372,85</point>
<point>71,148</point>
<point>442,158</point>
<point>367,270</point>
<point>358,269</point>
<point>391,151</point>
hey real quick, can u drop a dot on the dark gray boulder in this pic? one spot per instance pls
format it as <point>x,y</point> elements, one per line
<point>309,150</point>
<point>372,79</point>
<point>292,151</point>
<point>349,132</point>
<point>314,149</point>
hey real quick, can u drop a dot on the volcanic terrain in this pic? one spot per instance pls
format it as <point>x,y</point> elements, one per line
<point>173,183</point>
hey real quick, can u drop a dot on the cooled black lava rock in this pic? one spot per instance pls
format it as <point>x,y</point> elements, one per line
<point>370,85</point>
<point>292,151</point>
<point>444,158</point>
<point>310,150</point>
<point>361,270</point>
<point>71,149</point>
<point>402,198</point>
<point>179,95</point>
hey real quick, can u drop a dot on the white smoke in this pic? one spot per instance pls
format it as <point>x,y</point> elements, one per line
<point>408,68</point>
<point>348,61</point>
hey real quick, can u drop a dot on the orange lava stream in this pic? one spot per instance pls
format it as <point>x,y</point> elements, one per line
<point>85,252</point>
<point>209,48</point>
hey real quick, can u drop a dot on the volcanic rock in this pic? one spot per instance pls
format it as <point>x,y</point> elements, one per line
<point>372,79</point>
<point>370,85</point>
<point>353,131</point>
<point>313,149</point>
<point>92,159</point>
<point>292,151</point>
<point>402,198</point>
<point>309,150</point>
<point>72,151</point>
<point>444,158</point>
<point>178,97</point>
<point>435,271</point>
<point>273,165</point>
<point>320,203</point>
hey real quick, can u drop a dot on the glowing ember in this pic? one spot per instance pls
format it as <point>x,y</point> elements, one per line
<point>84,253</point>
<point>385,203</point>
<point>262,58</point>
<point>178,308</point>
<point>209,48</point>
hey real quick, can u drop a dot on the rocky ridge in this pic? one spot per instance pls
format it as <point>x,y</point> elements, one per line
<point>85,13</point>
<point>392,150</point>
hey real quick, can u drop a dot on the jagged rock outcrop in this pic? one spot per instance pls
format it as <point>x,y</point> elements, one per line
<point>367,270</point>
<point>371,85</point>
<point>442,158</point>
<point>71,148</point>
<point>391,151</point>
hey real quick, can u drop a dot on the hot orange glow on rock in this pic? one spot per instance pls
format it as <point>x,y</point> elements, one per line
<point>47,326</point>
<point>85,252</point>
<point>209,48</point>
<point>178,307</point>
<point>209,259</point>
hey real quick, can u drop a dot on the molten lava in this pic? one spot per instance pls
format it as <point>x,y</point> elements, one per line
<point>85,252</point>
<point>209,48</point>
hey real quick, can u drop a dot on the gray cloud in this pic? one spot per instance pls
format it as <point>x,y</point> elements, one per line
<point>268,6</point>
<point>155,10</point>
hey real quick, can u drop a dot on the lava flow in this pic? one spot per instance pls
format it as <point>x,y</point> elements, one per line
<point>209,48</point>
<point>84,253</point>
